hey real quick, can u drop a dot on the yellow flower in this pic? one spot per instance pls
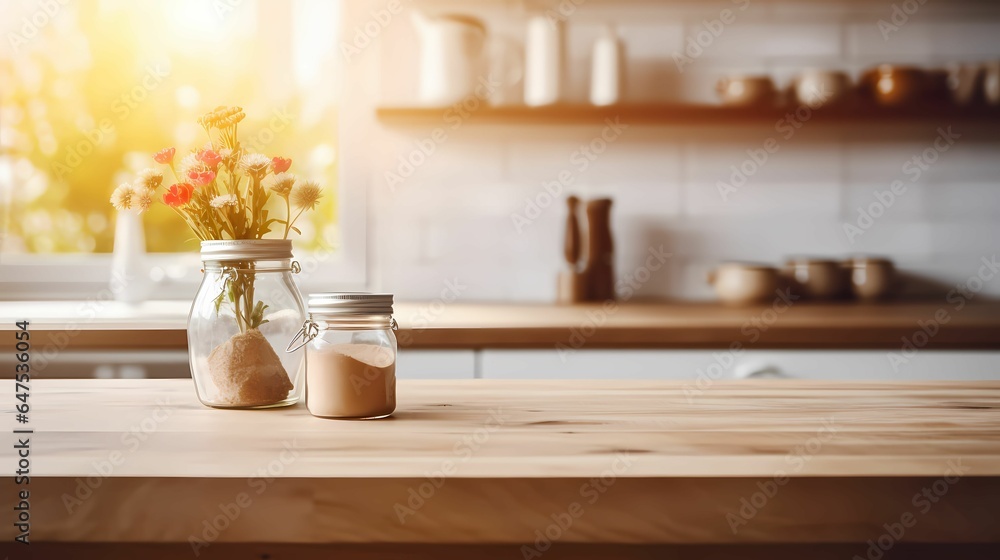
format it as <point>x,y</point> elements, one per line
<point>306,195</point>
<point>122,197</point>
<point>282,183</point>
<point>222,116</point>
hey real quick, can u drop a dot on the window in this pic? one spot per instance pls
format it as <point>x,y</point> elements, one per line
<point>91,89</point>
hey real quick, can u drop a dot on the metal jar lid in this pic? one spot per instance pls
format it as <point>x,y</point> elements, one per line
<point>326,304</point>
<point>246,249</point>
<point>340,307</point>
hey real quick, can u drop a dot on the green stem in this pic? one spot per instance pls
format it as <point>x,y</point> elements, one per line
<point>288,217</point>
<point>248,301</point>
<point>296,218</point>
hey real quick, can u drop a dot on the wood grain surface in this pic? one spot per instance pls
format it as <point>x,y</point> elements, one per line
<point>534,429</point>
<point>628,325</point>
<point>560,551</point>
<point>486,461</point>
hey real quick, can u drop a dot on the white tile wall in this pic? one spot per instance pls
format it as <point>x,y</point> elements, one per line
<point>957,201</point>
<point>753,41</point>
<point>922,41</point>
<point>453,217</point>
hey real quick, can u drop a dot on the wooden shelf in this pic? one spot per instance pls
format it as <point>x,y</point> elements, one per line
<point>684,114</point>
<point>679,325</point>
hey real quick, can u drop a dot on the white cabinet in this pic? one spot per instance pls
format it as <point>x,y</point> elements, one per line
<point>436,364</point>
<point>593,364</point>
<point>588,364</point>
<point>102,364</point>
<point>872,365</point>
<point>692,364</point>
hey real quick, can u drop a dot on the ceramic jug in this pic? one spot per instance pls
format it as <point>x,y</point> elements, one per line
<point>451,57</point>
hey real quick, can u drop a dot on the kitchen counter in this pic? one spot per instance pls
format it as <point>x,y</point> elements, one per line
<point>780,469</point>
<point>160,325</point>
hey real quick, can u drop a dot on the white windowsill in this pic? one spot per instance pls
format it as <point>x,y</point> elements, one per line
<point>163,314</point>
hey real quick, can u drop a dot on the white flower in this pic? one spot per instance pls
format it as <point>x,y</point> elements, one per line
<point>142,198</point>
<point>149,178</point>
<point>306,195</point>
<point>281,183</point>
<point>122,197</point>
<point>224,200</point>
<point>188,164</point>
<point>255,164</point>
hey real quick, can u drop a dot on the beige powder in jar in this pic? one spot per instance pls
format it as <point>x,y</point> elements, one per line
<point>351,381</point>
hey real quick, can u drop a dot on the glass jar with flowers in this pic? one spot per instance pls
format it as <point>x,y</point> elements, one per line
<point>247,304</point>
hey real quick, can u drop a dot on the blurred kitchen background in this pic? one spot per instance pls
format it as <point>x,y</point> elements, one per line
<point>434,181</point>
<point>453,216</point>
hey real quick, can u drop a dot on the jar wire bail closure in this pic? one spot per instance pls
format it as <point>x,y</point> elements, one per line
<point>308,332</point>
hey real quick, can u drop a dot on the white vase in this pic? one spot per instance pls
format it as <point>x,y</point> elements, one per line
<point>130,281</point>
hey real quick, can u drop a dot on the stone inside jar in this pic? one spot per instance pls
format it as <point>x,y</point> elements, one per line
<point>248,372</point>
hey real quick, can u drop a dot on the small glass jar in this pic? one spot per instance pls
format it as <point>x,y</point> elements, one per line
<point>246,308</point>
<point>350,355</point>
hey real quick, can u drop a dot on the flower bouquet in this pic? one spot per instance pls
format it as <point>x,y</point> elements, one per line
<point>222,191</point>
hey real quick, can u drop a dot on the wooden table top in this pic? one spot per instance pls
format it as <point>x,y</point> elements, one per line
<point>535,429</point>
<point>161,325</point>
<point>766,464</point>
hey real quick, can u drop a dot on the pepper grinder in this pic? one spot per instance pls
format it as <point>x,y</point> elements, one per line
<point>572,287</point>
<point>600,255</point>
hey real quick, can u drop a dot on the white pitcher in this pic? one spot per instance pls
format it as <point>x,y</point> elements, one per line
<point>451,57</point>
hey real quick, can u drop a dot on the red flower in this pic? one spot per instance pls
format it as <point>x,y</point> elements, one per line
<point>165,155</point>
<point>210,158</point>
<point>178,195</point>
<point>201,178</point>
<point>280,164</point>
